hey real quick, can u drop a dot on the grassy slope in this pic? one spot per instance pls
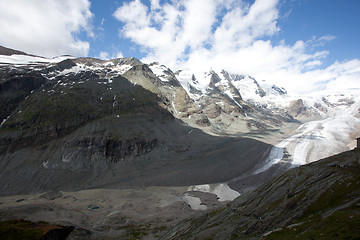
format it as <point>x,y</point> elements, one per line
<point>335,214</point>
<point>316,201</point>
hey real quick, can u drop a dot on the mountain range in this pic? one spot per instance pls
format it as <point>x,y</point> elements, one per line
<point>94,123</point>
<point>71,124</point>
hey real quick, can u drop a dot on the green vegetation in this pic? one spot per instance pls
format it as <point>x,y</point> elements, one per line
<point>335,213</point>
<point>58,109</point>
<point>338,194</point>
<point>342,224</point>
<point>21,230</point>
<point>136,232</point>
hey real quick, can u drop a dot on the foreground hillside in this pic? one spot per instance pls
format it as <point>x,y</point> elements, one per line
<point>316,201</point>
<point>320,200</point>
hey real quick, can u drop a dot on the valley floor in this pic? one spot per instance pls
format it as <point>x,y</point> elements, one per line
<point>145,213</point>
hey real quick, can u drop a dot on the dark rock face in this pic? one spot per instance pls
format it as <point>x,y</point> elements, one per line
<point>79,234</point>
<point>61,66</point>
<point>204,122</point>
<point>60,233</point>
<point>24,229</point>
<point>8,52</point>
<point>116,150</point>
<point>56,109</point>
<point>281,91</point>
<point>297,107</point>
<point>15,86</point>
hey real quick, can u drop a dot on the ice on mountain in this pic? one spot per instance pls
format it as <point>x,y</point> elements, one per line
<point>159,71</point>
<point>201,84</point>
<point>121,69</point>
<point>26,59</point>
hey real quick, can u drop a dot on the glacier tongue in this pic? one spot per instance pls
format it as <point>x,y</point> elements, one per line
<point>318,139</point>
<point>326,137</point>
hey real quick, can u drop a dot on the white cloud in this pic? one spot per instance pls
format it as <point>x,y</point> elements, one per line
<point>134,13</point>
<point>320,41</point>
<point>198,19</point>
<point>47,28</point>
<point>155,4</point>
<point>119,55</point>
<point>242,25</point>
<point>232,35</point>
<point>106,55</point>
<point>166,32</point>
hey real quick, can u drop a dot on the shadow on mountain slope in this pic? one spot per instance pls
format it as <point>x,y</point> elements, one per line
<point>81,131</point>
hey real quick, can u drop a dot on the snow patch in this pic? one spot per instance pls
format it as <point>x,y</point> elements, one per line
<point>230,95</point>
<point>121,69</point>
<point>25,59</point>
<point>4,120</point>
<point>159,71</point>
<point>46,164</point>
<point>194,202</point>
<point>221,190</point>
<point>75,69</point>
<point>201,83</point>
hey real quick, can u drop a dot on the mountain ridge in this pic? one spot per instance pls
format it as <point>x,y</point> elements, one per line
<point>225,104</point>
<point>114,129</point>
<point>95,123</point>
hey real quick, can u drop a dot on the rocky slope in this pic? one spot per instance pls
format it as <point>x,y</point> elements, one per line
<point>221,103</point>
<point>316,201</point>
<point>87,123</point>
<point>116,105</point>
<point>8,51</point>
<point>220,96</point>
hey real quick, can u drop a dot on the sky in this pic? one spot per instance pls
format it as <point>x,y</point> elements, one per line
<point>305,46</point>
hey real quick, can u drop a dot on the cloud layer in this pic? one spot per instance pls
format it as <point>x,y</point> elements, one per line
<point>231,35</point>
<point>47,28</point>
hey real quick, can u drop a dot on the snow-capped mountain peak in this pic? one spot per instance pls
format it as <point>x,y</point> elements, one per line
<point>218,101</point>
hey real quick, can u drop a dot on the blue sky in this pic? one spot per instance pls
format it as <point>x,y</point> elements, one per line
<point>303,45</point>
<point>324,17</point>
<point>298,20</point>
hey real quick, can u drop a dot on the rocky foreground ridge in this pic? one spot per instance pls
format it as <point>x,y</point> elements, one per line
<point>320,200</point>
